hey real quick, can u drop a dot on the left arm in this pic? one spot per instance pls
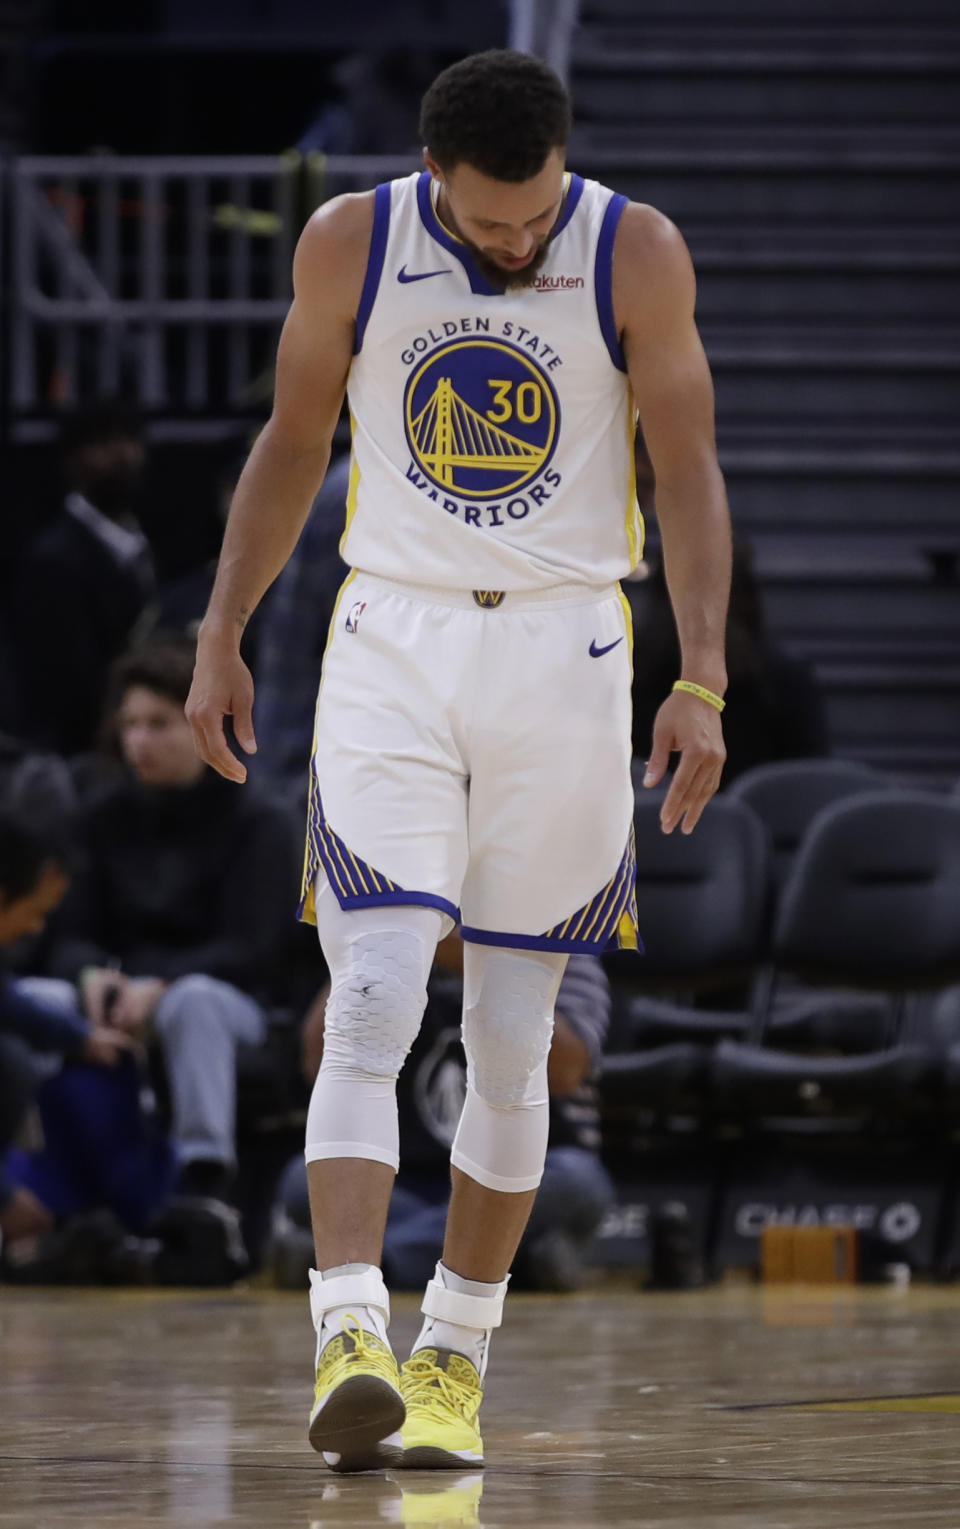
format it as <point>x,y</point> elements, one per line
<point>654,292</point>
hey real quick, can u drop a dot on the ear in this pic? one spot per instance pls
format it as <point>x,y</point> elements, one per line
<point>432,165</point>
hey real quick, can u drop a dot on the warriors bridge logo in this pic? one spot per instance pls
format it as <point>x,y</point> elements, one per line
<point>481,417</point>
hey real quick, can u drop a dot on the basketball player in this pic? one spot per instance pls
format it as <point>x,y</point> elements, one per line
<point>497,322</point>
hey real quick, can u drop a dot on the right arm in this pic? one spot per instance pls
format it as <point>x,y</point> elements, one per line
<point>284,470</point>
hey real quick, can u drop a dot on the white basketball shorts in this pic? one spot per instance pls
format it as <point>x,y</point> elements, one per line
<point>475,758</point>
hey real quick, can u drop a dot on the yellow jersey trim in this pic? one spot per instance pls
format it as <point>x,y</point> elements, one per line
<point>353,491</point>
<point>636,527</point>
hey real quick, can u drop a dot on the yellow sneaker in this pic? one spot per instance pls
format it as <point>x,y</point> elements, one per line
<point>357,1406</point>
<point>442,1393</point>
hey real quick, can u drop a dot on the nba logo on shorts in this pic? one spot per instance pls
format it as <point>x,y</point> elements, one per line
<point>354,614</point>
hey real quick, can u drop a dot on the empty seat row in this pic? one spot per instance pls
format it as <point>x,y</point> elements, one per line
<point>834,971</point>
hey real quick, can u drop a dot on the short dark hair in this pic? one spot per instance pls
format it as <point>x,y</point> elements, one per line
<point>500,111</point>
<point>24,852</point>
<point>109,420</point>
<point>163,667</point>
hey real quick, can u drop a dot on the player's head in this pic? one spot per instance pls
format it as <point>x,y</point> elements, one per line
<point>494,128</point>
<point>145,718</point>
<point>32,878</point>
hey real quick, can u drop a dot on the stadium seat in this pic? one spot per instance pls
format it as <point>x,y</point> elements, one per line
<point>703,905</point>
<point>703,899</point>
<point>788,794</point>
<point>873,904</point>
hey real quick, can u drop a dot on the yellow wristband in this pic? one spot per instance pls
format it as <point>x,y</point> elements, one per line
<point>717,702</point>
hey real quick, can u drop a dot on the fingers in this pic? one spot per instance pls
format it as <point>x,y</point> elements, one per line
<point>99,992</point>
<point>243,726</point>
<point>659,754</point>
<point>694,783</point>
<point>222,688</point>
<point>105,1047</point>
<point>211,745</point>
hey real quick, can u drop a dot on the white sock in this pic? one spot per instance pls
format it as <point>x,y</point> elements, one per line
<point>369,1318</point>
<point>472,1342</point>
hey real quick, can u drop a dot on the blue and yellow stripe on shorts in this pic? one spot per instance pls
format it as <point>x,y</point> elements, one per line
<point>609,919</point>
<point>311,856</point>
<point>356,883</point>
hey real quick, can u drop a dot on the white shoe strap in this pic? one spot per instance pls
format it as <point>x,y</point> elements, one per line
<point>479,1311</point>
<point>348,1290</point>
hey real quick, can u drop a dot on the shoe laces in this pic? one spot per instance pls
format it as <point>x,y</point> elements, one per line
<point>368,1351</point>
<point>430,1388</point>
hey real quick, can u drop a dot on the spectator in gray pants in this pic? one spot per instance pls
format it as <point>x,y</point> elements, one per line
<point>176,926</point>
<point>576,1190</point>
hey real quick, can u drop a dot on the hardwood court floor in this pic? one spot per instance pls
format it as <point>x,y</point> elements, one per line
<point>697,1411</point>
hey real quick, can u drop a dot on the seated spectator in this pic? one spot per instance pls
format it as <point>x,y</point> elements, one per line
<point>576,1190</point>
<point>180,602</point>
<point>774,707</point>
<point>81,584</point>
<point>176,926</point>
<point>376,106</point>
<point>37,786</point>
<point>293,637</point>
<point>36,1037</point>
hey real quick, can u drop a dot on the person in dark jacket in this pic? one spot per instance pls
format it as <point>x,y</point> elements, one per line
<point>81,583</point>
<point>178,920</point>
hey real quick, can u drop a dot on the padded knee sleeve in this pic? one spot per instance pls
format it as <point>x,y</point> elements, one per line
<point>509,997</point>
<point>376,1003</point>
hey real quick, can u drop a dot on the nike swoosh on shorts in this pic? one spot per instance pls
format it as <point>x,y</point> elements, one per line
<point>403,276</point>
<point>596,652</point>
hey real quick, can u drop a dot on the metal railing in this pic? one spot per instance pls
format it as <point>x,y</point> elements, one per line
<point>165,280</point>
<point>545,27</point>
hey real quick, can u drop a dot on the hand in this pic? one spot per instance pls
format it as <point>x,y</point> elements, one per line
<point>100,990</point>
<point>137,1003</point>
<point>104,1046</point>
<point>692,727</point>
<point>24,1216</point>
<point>222,687</point>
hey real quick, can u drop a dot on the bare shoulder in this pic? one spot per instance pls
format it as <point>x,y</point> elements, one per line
<point>645,233</point>
<point>331,256</point>
<point>651,262</point>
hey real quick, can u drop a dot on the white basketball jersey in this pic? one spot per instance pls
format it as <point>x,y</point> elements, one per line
<point>492,430</point>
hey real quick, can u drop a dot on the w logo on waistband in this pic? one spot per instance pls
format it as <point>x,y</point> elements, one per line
<point>490,597</point>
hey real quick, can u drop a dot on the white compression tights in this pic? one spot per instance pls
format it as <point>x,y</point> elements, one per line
<point>379,960</point>
<point>508,1001</point>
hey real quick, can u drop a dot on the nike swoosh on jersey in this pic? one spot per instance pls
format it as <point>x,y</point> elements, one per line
<point>596,652</point>
<point>403,276</point>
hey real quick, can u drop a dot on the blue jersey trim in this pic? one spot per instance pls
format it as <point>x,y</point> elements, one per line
<point>570,204</point>
<point>539,942</point>
<point>378,250</point>
<point>603,280</point>
<point>479,284</point>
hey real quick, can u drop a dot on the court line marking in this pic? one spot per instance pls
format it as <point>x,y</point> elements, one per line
<point>855,1403</point>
